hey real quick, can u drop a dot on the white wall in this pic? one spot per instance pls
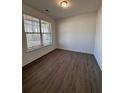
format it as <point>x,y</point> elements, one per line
<point>30,56</point>
<point>77,33</point>
<point>98,38</point>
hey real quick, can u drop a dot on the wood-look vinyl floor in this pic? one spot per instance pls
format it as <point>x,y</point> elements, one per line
<point>62,71</point>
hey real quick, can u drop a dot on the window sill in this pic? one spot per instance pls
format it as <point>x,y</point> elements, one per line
<point>37,48</point>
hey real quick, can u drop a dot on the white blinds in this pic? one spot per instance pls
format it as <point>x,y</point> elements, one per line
<point>38,32</point>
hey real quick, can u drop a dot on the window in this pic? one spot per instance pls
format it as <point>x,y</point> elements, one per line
<point>38,33</point>
<point>46,33</point>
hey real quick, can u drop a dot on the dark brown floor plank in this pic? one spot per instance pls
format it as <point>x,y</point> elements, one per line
<point>63,71</point>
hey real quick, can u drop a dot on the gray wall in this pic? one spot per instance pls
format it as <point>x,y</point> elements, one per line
<point>77,33</point>
<point>98,38</point>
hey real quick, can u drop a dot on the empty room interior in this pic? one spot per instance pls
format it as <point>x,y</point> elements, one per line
<point>62,46</point>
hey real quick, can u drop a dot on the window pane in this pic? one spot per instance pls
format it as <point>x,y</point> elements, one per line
<point>45,27</point>
<point>28,27</point>
<point>36,27</point>
<point>46,33</point>
<point>31,24</point>
<point>47,39</point>
<point>33,40</point>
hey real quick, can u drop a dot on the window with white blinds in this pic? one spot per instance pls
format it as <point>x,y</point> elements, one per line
<point>46,33</point>
<point>38,32</point>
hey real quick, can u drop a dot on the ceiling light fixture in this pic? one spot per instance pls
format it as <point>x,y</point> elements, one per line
<point>64,4</point>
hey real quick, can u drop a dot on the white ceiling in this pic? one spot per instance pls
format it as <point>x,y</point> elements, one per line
<point>76,7</point>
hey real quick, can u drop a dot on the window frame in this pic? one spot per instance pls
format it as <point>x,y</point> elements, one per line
<point>41,34</point>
